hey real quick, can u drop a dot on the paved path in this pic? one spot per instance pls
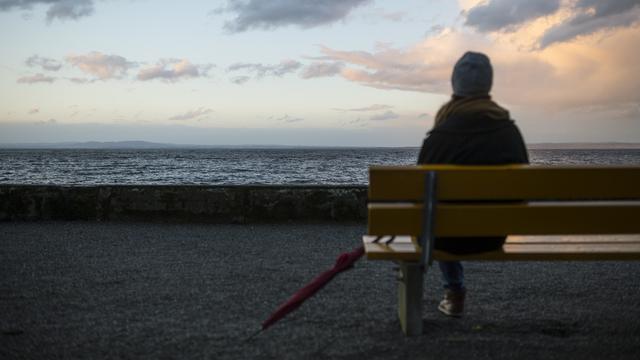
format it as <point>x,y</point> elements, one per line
<point>109,290</point>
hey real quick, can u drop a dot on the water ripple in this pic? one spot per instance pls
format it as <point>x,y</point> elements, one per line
<point>238,166</point>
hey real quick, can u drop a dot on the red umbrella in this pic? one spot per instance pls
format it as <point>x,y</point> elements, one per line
<point>345,261</point>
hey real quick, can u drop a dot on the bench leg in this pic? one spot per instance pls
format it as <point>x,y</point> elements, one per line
<point>410,298</point>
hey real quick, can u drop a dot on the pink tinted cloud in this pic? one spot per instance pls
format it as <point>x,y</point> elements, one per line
<point>100,65</point>
<point>37,78</point>
<point>173,70</point>
<point>569,75</point>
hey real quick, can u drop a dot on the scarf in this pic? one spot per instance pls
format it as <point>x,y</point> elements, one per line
<point>470,105</point>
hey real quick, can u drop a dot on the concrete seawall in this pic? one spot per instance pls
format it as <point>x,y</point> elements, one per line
<point>183,203</point>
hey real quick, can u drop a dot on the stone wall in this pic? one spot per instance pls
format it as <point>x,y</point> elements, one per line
<point>211,204</point>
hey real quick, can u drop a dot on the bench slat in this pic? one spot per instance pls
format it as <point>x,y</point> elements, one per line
<point>507,182</point>
<point>575,239</point>
<point>405,248</point>
<point>538,218</point>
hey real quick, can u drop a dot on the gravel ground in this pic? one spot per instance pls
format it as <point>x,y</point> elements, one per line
<point>111,290</point>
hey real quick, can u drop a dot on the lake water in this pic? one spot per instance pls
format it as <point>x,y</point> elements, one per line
<point>238,166</point>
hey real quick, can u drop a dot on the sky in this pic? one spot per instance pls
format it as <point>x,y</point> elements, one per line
<point>310,72</point>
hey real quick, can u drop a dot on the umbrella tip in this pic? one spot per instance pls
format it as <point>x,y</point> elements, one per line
<point>253,335</point>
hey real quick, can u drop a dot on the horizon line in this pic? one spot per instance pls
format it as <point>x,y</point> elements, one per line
<point>142,144</point>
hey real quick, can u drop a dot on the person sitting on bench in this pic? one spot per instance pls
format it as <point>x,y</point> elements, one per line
<point>470,129</point>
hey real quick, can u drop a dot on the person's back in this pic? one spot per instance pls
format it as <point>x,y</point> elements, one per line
<point>470,129</point>
<point>473,131</point>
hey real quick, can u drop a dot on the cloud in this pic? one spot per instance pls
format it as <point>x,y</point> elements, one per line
<point>47,122</point>
<point>388,115</point>
<point>69,9</point>
<point>259,14</point>
<point>592,16</point>
<point>101,65</point>
<point>33,111</point>
<point>566,20</point>
<point>288,119</point>
<point>78,80</point>
<point>44,63</point>
<point>106,67</point>
<point>505,15</point>
<point>262,70</point>
<point>418,68</point>
<point>37,78</point>
<point>321,69</point>
<point>435,29</point>
<point>173,70</point>
<point>567,76</point>
<point>58,9</point>
<point>374,107</point>
<point>240,79</point>
<point>360,122</point>
<point>606,8</point>
<point>192,114</point>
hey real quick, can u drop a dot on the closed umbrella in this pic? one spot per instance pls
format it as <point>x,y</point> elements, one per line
<point>345,261</point>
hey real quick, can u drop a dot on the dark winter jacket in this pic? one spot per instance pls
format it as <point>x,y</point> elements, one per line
<point>473,138</point>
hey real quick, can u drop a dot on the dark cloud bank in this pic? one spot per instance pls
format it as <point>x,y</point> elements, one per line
<point>505,14</point>
<point>589,16</point>
<point>57,9</point>
<point>260,14</point>
<point>592,16</point>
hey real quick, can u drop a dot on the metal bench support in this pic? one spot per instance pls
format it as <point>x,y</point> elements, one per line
<point>412,273</point>
<point>410,281</point>
<point>427,238</point>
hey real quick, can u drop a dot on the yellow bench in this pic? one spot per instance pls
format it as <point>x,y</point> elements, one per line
<point>411,205</point>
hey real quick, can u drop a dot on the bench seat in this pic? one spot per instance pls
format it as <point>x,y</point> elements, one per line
<point>518,248</point>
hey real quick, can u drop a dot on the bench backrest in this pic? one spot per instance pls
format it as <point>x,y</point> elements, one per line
<point>506,200</point>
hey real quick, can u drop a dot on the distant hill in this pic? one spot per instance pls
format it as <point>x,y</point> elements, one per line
<point>137,144</point>
<point>589,146</point>
<point>152,145</point>
<point>92,145</point>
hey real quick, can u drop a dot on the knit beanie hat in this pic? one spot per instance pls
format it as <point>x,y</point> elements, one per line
<point>472,75</point>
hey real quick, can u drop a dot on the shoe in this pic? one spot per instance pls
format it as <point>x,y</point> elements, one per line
<point>453,303</point>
